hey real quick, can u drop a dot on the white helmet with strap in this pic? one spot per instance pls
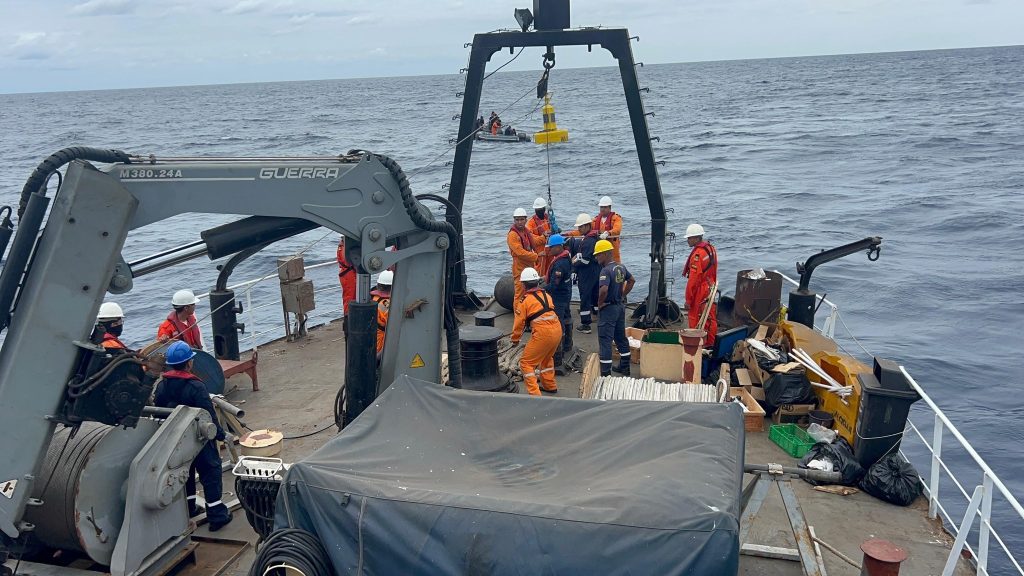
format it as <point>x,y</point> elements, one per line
<point>109,311</point>
<point>539,203</point>
<point>529,275</point>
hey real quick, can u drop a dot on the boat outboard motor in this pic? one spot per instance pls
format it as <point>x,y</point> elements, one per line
<point>802,301</point>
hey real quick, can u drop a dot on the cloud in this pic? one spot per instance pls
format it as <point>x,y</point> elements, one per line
<point>246,7</point>
<point>300,18</point>
<point>104,7</point>
<point>363,19</point>
<point>28,39</point>
<point>34,56</point>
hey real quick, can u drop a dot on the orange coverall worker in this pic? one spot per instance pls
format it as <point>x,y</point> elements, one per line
<point>612,224</point>
<point>521,245</point>
<point>701,271</point>
<point>175,329</point>
<point>347,277</point>
<point>536,310</point>
<point>540,228</point>
<point>383,300</point>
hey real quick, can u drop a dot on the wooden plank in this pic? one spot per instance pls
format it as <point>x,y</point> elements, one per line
<point>762,333</point>
<point>785,368</point>
<point>775,552</point>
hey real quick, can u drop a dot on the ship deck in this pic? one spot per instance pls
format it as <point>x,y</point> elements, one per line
<point>298,382</point>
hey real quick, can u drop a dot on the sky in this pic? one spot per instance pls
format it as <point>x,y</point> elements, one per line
<point>54,45</point>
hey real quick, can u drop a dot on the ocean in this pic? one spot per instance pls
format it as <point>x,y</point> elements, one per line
<point>777,158</point>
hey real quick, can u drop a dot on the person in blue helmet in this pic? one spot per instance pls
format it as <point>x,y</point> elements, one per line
<point>558,283</point>
<point>180,387</point>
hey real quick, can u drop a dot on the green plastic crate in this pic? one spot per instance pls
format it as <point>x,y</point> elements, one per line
<point>791,438</point>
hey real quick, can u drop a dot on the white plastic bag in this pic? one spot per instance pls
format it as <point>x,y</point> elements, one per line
<point>820,433</point>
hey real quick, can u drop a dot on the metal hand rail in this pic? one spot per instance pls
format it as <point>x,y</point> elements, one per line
<point>253,334</point>
<point>979,503</point>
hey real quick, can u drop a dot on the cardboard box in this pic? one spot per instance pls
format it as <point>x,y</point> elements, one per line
<point>743,378</point>
<point>661,361</point>
<point>757,391</point>
<point>792,414</point>
<point>757,375</point>
<point>753,418</point>
<point>634,351</point>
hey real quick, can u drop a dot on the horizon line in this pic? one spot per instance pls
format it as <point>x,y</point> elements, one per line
<point>242,83</point>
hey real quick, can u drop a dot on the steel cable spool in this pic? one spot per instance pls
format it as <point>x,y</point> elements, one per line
<point>81,487</point>
<point>66,458</point>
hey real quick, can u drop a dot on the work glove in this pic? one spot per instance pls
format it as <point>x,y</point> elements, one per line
<point>604,235</point>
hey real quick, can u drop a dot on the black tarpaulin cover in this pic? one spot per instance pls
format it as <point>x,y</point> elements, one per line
<point>433,480</point>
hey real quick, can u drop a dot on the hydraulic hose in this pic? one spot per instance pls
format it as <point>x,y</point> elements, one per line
<point>58,159</point>
<point>419,217</point>
<point>31,211</point>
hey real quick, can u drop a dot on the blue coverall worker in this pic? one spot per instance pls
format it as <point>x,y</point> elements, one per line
<point>615,283</point>
<point>180,387</point>
<point>558,283</point>
<point>587,269</point>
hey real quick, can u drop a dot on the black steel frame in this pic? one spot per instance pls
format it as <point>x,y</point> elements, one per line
<point>616,41</point>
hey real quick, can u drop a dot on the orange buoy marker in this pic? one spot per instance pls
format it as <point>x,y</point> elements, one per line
<point>550,134</point>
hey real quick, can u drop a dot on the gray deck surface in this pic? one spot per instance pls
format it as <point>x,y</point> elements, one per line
<point>298,382</point>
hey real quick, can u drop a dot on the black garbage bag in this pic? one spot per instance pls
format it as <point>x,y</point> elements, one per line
<point>894,480</point>
<point>782,389</point>
<point>840,453</point>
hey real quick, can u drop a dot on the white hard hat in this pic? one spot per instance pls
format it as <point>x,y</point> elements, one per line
<point>386,278</point>
<point>109,311</point>
<point>519,213</point>
<point>184,298</point>
<point>539,203</point>
<point>605,201</point>
<point>584,219</point>
<point>694,230</point>
<point>529,275</point>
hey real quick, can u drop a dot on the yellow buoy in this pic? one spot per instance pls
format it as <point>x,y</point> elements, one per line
<point>550,134</point>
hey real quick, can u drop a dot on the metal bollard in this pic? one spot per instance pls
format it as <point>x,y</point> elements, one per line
<point>881,558</point>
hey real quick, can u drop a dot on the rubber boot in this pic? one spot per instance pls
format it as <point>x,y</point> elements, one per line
<point>559,369</point>
<point>623,367</point>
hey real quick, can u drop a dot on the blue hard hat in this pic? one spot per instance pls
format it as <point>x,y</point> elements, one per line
<point>179,353</point>
<point>555,240</point>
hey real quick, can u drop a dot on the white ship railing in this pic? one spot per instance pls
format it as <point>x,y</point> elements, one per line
<point>977,507</point>
<point>327,297</point>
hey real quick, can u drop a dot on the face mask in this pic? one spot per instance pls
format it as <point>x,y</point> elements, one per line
<point>115,330</point>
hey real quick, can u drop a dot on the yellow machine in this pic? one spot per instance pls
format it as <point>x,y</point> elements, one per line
<point>551,133</point>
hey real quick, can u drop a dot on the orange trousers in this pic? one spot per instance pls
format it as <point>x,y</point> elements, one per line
<point>710,325</point>
<point>539,355</point>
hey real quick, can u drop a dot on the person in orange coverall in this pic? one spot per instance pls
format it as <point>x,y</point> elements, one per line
<point>382,296</point>
<point>608,225</point>
<point>701,271</point>
<point>521,246</point>
<point>536,310</point>
<point>347,277</point>
<point>539,226</point>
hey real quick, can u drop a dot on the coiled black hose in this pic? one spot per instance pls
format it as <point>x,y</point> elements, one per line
<point>54,162</point>
<point>31,211</point>
<point>414,209</point>
<point>294,549</point>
